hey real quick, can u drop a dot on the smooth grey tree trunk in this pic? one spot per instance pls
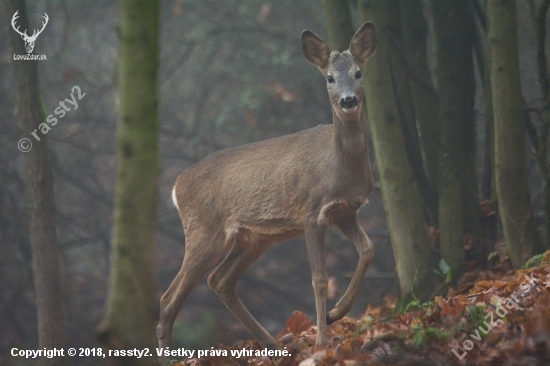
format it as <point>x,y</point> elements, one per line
<point>131,306</point>
<point>457,180</point>
<point>516,212</point>
<point>402,204</point>
<point>339,26</point>
<point>29,114</point>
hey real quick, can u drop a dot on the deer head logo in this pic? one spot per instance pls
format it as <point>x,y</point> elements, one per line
<point>29,40</point>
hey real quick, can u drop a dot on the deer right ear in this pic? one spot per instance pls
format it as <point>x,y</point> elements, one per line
<point>315,49</point>
<point>364,42</point>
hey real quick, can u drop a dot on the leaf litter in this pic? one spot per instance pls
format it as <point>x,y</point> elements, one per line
<point>490,318</point>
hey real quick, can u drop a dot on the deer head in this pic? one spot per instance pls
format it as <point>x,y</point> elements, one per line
<point>29,40</point>
<point>342,70</point>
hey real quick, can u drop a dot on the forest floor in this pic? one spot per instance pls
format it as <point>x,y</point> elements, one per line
<point>491,317</point>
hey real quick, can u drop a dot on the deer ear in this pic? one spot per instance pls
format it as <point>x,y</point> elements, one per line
<point>315,49</point>
<point>364,42</point>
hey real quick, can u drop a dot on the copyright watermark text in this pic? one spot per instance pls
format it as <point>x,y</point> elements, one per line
<point>31,353</point>
<point>501,311</point>
<point>25,144</point>
<point>146,352</point>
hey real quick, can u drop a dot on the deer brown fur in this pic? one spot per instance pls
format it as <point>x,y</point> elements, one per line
<point>237,202</point>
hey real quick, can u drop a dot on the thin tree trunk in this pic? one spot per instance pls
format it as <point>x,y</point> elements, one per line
<point>491,223</point>
<point>457,185</point>
<point>402,203</point>
<point>424,97</point>
<point>417,103</point>
<point>489,187</point>
<point>130,319</point>
<point>30,114</point>
<point>539,20</point>
<point>515,208</point>
<point>339,26</point>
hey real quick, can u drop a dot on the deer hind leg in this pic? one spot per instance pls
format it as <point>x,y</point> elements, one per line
<point>354,232</point>
<point>197,261</point>
<point>223,281</point>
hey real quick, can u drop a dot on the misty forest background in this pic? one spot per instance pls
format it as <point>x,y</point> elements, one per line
<point>458,110</point>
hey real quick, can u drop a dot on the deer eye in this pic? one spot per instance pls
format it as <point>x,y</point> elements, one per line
<point>358,74</point>
<point>330,79</point>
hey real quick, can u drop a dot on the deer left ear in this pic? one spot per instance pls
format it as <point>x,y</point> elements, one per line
<point>364,42</point>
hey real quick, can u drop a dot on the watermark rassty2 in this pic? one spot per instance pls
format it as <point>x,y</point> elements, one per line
<point>501,311</point>
<point>25,144</point>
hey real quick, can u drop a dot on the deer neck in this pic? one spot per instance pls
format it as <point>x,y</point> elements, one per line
<point>350,139</point>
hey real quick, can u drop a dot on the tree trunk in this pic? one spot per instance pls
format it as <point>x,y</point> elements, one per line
<point>424,96</point>
<point>417,101</point>
<point>130,319</point>
<point>490,223</point>
<point>39,186</point>
<point>515,209</point>
<point>339,26</point>
<point>457,184</point>
<point>402,203</point>
<point>539,20</point>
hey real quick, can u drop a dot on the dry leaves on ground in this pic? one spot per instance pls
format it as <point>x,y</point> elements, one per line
<point>499,319</point>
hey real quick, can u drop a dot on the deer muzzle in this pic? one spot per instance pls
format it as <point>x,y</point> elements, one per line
<point>349,102</point>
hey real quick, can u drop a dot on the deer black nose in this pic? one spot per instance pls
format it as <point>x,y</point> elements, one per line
<point>349,102</point>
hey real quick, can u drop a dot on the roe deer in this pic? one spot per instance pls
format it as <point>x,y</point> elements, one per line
<point>238,201</point>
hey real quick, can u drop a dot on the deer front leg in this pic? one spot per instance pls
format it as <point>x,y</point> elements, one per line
<point>315,243</point>
<point>354,232</point>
